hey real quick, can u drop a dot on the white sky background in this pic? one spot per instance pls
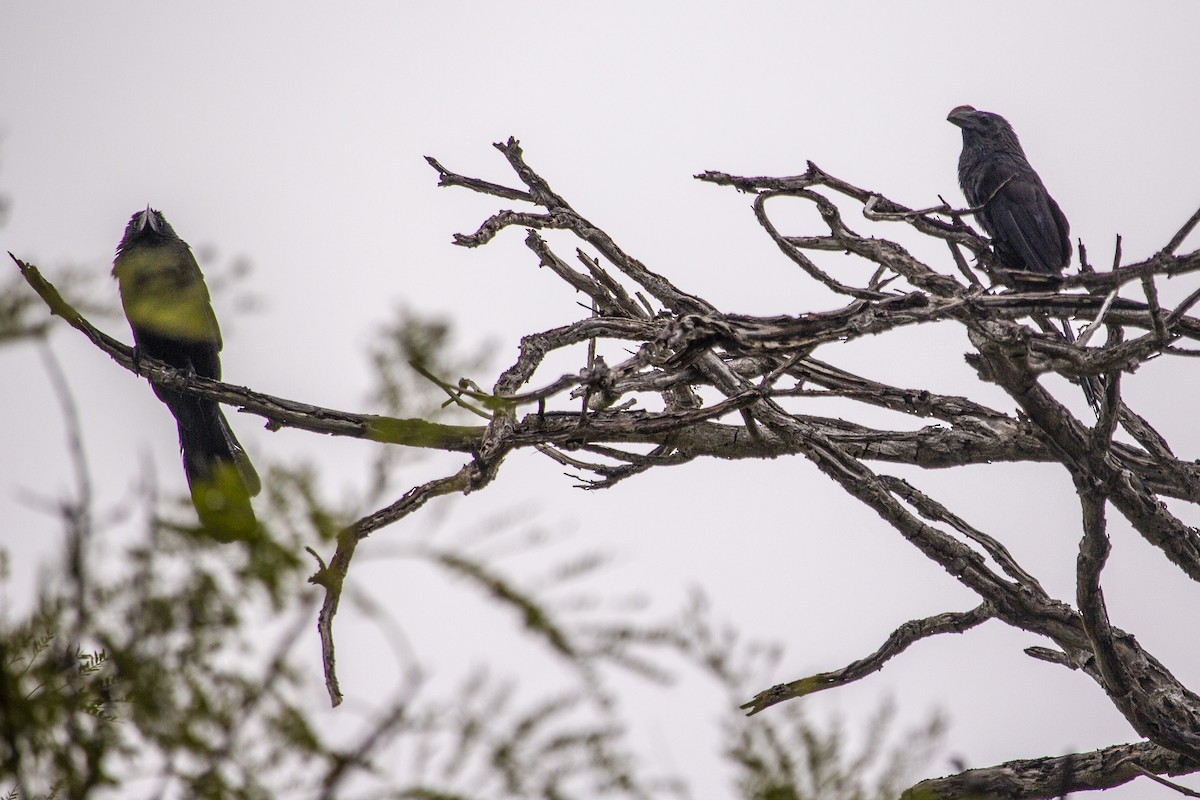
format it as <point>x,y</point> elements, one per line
<point>292,135</point>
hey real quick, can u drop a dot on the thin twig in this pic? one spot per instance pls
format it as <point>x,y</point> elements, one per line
<point>899,641</point>
<point>1092,327</point>
<point>1182,234</point>
<point>333,576</point>
<point>1155,311</point>
<point>1183,790</point>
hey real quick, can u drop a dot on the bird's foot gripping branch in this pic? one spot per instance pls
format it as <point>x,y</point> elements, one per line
<point>666,377</point>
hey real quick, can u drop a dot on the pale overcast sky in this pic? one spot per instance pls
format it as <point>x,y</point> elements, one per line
<point>291,135</point>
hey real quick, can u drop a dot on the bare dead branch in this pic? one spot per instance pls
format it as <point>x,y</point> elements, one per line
<point>658,286</point>
<point>899,641</point>
<point>1093,552</point>
<point>999,439</point>
<point>961,263</point>
<point>620,297</point>
<point>1177,315</point>
<point>1051,656</point>
<point>332,577</point>
<point>507,219</point>
<point>876,216</point>
<point>1046,778</point>
<point>934,511</point>
<point>600,294</point>
<point>279,412</point>
<point>448,178</point>
<point>1155,311</point>
<point>1091,329</point>
<point>1183,790</point>
<point>1161,264</point>
<point>1003,349</point>
<point>1182,233</point>
<point>792,251</point>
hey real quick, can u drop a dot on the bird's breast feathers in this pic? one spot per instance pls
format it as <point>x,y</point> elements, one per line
<point>164,294</point>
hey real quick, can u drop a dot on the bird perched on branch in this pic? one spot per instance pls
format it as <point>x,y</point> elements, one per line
<point>169,310</point>
<point>1029,232</point>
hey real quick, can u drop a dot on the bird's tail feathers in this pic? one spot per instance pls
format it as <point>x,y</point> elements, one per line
<point>1093,387</point>
<point>220,476</point>
<point>246,471</point>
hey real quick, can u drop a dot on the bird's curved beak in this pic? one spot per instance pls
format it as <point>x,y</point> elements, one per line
<point>961,116</point>
<point>150,218</point>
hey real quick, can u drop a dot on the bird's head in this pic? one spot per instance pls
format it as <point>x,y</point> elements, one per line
<point>984,127</point>
<point>146,225</point>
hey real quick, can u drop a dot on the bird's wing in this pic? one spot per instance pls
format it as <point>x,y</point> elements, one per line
<point>1026,218</point>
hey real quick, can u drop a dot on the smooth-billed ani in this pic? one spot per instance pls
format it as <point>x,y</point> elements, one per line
<point>168,307</point>
<point>1029,232</point>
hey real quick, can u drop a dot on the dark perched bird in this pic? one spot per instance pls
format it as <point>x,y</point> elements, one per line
<point>1029,232</point>
<point>168,307</point>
